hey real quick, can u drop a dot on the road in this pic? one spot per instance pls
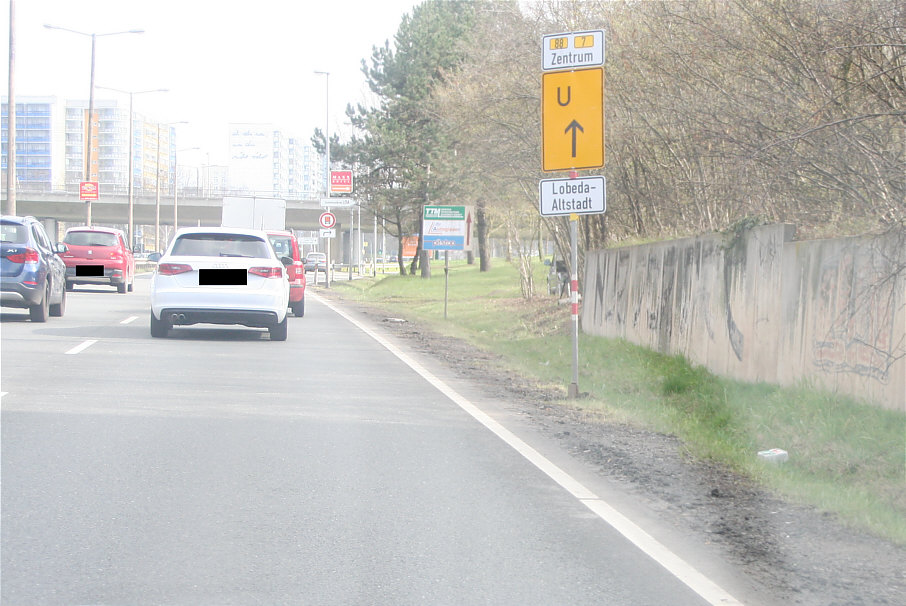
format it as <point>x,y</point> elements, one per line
<point>218,467</point>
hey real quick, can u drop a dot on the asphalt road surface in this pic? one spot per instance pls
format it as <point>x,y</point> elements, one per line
<point>218,467</point>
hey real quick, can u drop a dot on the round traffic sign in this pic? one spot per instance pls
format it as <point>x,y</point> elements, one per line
<point>328,220</point>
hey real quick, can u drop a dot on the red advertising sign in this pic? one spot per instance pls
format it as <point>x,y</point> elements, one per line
<point>88,190</point>
<point>341,181</point>
<point>410,246</point>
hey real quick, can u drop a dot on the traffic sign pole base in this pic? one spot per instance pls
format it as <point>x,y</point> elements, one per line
<point>573,391</point>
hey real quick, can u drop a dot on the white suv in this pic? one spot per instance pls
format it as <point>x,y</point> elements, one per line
<point>218,275</point>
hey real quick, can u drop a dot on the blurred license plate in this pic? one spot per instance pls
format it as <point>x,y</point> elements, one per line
<point>89,271</point>
<point>222,277</point>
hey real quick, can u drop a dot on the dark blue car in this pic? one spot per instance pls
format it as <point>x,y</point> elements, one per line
<point>32,275</point>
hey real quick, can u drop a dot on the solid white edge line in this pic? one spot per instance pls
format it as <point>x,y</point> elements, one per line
<point>675,565</point>
<point>82,346</point>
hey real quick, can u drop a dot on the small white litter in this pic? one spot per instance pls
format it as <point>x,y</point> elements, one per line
<point>775,455</point>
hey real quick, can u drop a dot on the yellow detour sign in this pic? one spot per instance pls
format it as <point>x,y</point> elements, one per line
<point>572,119</point>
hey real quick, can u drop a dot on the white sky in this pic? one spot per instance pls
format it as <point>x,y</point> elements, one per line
<point>221,61</point>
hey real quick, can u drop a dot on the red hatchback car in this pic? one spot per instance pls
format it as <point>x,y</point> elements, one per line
<point>98,255</point>
<point>286,245</point>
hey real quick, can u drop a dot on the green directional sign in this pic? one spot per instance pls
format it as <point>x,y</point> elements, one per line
<point>447,228</point>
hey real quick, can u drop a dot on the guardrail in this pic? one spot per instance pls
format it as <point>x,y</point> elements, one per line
<point>143,267</point>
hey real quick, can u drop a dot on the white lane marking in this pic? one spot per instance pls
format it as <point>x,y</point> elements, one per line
<point>682,570</point>
<point>82,346</point>
<point>129,320</point>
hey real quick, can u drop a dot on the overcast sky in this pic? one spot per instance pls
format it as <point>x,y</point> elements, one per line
<point>221,61</point>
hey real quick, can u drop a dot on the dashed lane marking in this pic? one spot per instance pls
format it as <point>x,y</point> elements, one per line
<point>82,347</point>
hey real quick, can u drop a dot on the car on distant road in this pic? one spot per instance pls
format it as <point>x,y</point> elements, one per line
<point>286,246</point>
<point>32,275</point>
<point>220,275</point>
<point>316,261</point>
<point>98,255</point>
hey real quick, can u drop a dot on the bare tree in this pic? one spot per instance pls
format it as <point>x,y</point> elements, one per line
<point>715,111</point>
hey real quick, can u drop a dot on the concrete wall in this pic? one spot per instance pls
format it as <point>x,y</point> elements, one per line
<point>760,307</point>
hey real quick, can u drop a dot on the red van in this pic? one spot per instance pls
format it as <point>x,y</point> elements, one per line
<point>286,245</point>
<point>98,255</point>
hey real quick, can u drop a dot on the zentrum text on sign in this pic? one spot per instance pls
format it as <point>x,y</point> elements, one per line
<point>572,50</point>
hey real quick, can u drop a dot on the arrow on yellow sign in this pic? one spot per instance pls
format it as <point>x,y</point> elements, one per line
<point>574,126</point>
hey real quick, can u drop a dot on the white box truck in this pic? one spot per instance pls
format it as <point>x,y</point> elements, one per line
<point>254,213</point>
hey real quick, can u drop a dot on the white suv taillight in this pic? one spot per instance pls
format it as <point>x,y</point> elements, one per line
<point>171,269</point>
<point>267,272</point>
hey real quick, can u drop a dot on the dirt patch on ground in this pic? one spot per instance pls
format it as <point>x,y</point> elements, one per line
<point>794,554</point>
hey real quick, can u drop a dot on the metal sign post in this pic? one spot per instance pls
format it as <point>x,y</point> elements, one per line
<point>351,239</point>
<point>573,391</point>
<point>446,280</point>
<point>572,138</point>
<point>447,228</point>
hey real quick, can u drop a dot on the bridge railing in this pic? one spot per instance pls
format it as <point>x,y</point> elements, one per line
<point>166,191</point>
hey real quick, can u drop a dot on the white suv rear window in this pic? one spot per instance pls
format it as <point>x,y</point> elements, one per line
<point>220,245</point>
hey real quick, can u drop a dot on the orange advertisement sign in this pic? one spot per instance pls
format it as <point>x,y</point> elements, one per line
<point>410,245</point>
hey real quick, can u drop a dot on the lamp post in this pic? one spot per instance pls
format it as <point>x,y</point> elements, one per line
<point>10,207</point>
<point>131,149</point>
<point>327,168</point>
<point>176,184</point>
<point>89,130</point>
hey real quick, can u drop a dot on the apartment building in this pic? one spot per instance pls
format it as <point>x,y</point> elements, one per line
<point>50,154</point>
<point>50,146</point>
<point>153,149</point>
<point>39,143</point>
<point>309,179</point>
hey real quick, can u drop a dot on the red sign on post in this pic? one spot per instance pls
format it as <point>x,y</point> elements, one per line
<point>88,190</point>
<point>341,181</point>
<point>327,220</point>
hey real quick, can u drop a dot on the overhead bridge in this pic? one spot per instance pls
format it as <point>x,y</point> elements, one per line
<point>191,210</point>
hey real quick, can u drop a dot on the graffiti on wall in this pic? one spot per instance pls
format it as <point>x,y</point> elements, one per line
<point>828,310</point>
<point>857,296</point>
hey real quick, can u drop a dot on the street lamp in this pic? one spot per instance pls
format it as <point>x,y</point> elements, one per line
<point>327,168</point>
<point>93,36</point>
<point>176,184</point>
<point>131,148</point>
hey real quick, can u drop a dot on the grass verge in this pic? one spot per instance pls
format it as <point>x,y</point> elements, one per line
<point>846,457</point>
